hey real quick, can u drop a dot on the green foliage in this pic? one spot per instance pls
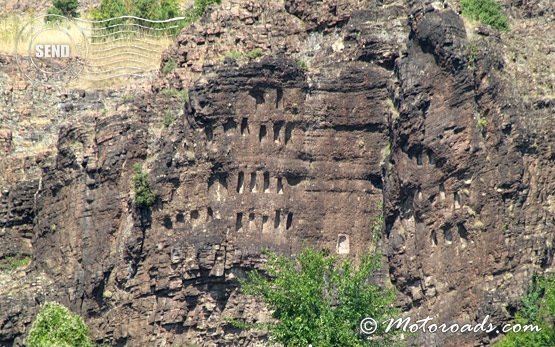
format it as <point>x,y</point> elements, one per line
<point>234,55</point>
<point>54,11</point>
<point>254,53</point>
<point>66,8</point>
<point>128,98</point>
<point>169,9</point>
<point>378,222</point>
<point>482,123</point>
<point>149,9</point>
<point>109,9</point>
<point>319,299</point>
<point>302,64</point>
<point>181,94</point>
<point>199,8</point>
<point>144,196</point>
<point>57,326</point>
<point>169,66</point>
<point>472,53</point>
<point>168,120</point>
<point>538,308</point>
<point>14,262</point>
<point>487,12</point>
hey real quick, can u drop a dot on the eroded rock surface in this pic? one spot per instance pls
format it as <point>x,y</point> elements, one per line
<point>393,101</point>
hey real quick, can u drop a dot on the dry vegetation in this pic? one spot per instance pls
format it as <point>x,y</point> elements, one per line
<point>110,61</point>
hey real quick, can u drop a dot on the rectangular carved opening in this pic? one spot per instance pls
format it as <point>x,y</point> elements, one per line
<point>277,130</point>
<point>209,214</point>
<point>457,198</point>
<point>279,97</point>
<point>289,221</point>
<point>463,233</point>
<point>239,222</point>
<point>252,223</point>
<point>262,133</point>
<point>442,191</point>
<point>343,246</point>
<point>252,186</point>
<point>266,182</point>
<point>245,126</point>
<point>277,219</point>
<point>229,125</point>
<point>265,225</point>
<point>208,132</point>
<point>240,182</point>
<point>448,234</point>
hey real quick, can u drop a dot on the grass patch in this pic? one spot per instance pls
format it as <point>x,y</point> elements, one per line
<point>15,262</point>
<point>482,123</point>
<point>56,326</point>
<point>250,55</point>
<point>472,53</point>
<point>181,94</point>
<point>302,64</point>
<point>169,66</point>
<point>487,12</point>
<point>168,120</point>
<point>153,10</point>
<point>233,55</point>
<point>254,53</point>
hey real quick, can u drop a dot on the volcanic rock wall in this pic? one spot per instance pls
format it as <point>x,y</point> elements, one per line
<point>393,101</point>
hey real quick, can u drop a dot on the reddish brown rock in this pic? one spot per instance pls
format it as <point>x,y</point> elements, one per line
<point>394,101</point>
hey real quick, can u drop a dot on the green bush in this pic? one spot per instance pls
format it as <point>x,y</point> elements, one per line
<point>538,308</point>
<point>144,195</point>
<point>302,64</point>
<point>233,55</point>
<point>199,8</point>
<point>57,326</point>
<point>487,12</point>
<point>320,300</point>
<point>149,9</point>
<point>66,8</point>
<point>169,9</point>
<point>181,94</point>
<point>169,66</point>
<point>14,262</point>
<point>109,9</point>
<point>168,120</point>
<point>254,53</point>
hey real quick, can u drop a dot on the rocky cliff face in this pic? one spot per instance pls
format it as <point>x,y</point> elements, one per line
<point>354,105</point>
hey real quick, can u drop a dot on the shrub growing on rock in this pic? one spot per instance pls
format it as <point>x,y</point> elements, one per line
<point>487,12</point>
<point>144,195</point>
<point>538,308</point>
<point>66,8</point>
<point>57,326</point>
<point>320,300</point>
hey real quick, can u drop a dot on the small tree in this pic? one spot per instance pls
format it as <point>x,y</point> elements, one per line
<point>319,300</point>
<point>144,196</point>
<point>57,326</point>
<point>538,308</point>
<point>66,8</point>
<point>486,11</point>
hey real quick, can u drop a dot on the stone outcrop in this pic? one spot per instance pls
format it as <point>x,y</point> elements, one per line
<point>469,217</point>
<point>366,102</point>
